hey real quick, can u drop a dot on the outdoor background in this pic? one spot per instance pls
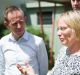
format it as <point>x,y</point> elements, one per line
<point>41,20</point>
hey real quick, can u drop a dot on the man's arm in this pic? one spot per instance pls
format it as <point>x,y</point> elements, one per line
<point>2,62</point>
<point>42,59</point>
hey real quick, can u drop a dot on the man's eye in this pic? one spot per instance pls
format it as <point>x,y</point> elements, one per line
<point>14,23</point>
<point>73,0</point>
<point>21,22</point>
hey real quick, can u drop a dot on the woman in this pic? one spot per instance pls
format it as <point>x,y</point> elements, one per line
<point>67,63</point>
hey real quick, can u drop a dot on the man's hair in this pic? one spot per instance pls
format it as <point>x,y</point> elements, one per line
<point>11,9</point>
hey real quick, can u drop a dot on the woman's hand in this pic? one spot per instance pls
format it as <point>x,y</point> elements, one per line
<point>28,70</point>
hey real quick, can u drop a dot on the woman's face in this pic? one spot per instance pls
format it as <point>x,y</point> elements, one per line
<point>66,35</point>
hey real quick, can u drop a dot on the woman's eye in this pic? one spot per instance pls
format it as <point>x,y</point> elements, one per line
<point>62,28</point>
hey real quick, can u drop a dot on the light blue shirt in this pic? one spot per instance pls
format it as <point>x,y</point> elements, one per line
<point>28,49</point>
<point>2,62</point>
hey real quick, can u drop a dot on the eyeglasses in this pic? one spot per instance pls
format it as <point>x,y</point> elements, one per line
<point>14,23</point>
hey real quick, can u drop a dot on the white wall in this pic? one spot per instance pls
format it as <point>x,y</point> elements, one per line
<point>5,3</point>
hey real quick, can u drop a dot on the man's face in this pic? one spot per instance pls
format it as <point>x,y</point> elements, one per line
<point>75,4</point>
<point>16,23</point>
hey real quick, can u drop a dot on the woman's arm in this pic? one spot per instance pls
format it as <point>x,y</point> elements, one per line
<point>28,70</point>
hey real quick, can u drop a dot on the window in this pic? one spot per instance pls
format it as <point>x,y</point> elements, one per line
<point>46,18</point>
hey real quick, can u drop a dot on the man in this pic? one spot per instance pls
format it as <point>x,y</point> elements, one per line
<point>75,4</point>
<point>21,47</point>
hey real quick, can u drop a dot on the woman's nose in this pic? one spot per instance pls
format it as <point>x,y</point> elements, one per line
<point>59,32</point>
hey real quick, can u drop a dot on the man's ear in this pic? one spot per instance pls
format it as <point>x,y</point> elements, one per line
<point>6,24</point>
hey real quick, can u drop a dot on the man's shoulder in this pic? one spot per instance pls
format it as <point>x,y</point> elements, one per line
<point>35,36</point>
<point>5,38</point>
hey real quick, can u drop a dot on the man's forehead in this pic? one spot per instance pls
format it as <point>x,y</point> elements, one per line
<point>75,0</point>
<point>14,15</point>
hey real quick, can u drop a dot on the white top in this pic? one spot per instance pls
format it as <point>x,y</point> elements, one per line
<point>28,49</point>
<point>66,63</point>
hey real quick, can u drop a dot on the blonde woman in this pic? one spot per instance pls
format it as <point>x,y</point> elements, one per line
<point>68,30</point>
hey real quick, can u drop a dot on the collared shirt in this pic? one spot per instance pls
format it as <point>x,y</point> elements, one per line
<point>66,64</point>
<point>2,62</point>
<point>28,49</point>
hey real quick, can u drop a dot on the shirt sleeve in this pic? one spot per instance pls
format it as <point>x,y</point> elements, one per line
<point>42,59</point>
<point>2,64</point>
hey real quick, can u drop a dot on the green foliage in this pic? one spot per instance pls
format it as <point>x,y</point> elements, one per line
<point>2,28</point>
<point>36,31</point>
<point>33,31</point>
<point>5,32</point>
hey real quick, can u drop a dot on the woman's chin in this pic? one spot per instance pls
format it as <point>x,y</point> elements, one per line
<point>64,43</point>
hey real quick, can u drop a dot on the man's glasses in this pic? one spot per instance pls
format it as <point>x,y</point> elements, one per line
<point>17,22</point>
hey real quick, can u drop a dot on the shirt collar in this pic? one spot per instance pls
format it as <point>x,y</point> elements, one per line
<point>25,36</point>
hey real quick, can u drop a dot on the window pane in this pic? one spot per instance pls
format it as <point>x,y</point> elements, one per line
<point>46,18</point>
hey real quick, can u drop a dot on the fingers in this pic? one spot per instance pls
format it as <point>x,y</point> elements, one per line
<point>19,67</point>
<point>27,70</point>
<point>22,69</point>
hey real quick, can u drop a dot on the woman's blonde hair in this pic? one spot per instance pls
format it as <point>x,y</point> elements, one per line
<point>72,19</point>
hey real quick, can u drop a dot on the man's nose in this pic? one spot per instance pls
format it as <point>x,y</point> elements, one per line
<point>18,25</point>
<point>76,2</point>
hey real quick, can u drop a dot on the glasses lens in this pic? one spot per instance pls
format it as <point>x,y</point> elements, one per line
<point>17,22</point>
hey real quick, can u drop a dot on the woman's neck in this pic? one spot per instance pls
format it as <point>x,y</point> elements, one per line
<point>75,48</point>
